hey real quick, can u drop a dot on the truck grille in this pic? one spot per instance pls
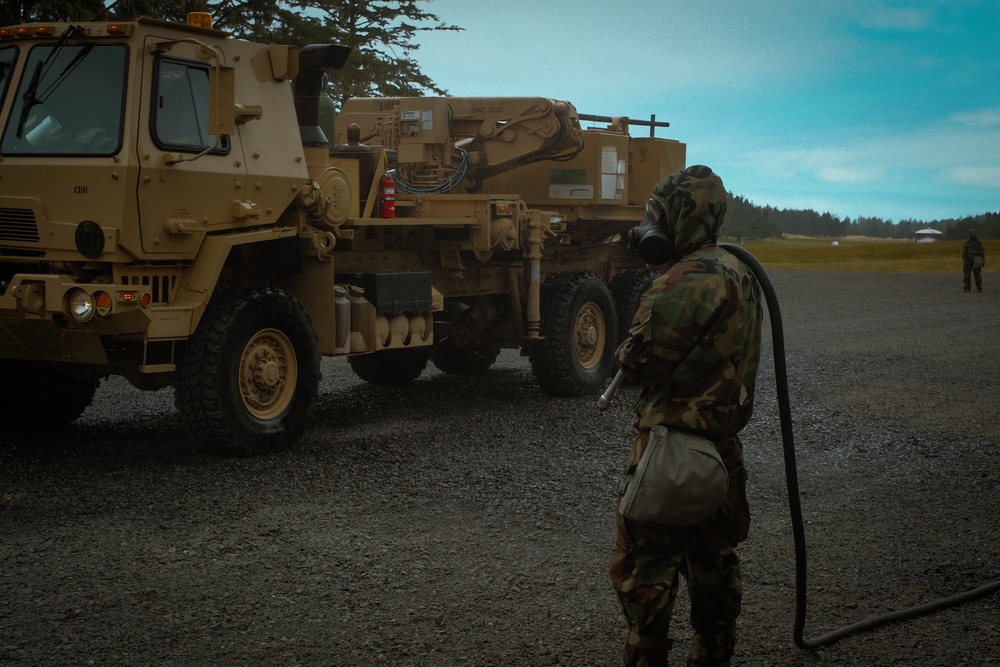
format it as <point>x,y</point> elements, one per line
<point>18,224</point>
<point>161,287</point>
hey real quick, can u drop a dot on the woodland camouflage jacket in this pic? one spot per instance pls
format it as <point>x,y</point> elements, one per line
<point>973,248</point>
<point>694,345</point>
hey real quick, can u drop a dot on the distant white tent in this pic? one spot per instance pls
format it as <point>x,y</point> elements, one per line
<point>927,235</point>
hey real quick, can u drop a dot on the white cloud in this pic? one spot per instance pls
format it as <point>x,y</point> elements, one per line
<point>891,18</point>
<point>968,153</point>
<point>830,165</point>
<point>981,118</point>
<point>988,177</point>
<point>850,175</point>
<point>920,175</point>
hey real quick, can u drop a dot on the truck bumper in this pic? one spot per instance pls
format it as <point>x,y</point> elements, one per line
<point>43,340</point>
<point>35,323</point>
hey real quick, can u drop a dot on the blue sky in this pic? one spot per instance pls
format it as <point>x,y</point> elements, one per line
<point>856,108</point>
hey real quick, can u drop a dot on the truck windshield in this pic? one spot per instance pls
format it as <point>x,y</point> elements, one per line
<point>69,101</point>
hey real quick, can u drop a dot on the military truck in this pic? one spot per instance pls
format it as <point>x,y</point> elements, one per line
<point>180,208</point>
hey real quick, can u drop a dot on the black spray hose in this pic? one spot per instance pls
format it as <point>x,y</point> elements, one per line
<point>794,501</point>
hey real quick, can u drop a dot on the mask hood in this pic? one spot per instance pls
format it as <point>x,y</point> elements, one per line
<point>694,200</point>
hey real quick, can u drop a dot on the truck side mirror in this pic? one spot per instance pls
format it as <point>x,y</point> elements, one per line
<point>284,61</point>
<point>222,101</point>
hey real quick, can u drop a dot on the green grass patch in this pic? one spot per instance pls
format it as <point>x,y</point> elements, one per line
<point>865,254</point>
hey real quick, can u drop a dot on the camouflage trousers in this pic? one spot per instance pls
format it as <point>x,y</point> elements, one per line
<point>649,560</point>
<point>968,270</point>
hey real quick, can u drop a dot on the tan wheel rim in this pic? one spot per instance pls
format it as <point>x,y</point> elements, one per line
<point>268,374</point>
<point>589,335</point>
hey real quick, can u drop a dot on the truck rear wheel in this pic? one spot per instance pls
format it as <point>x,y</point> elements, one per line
<point>396,367</point>
<point>38,395</point>
<point>579,326</point>
<point>249,375</point>
<point>627,288</point>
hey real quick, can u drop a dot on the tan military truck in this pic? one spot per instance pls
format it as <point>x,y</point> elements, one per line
<point>177,208</point>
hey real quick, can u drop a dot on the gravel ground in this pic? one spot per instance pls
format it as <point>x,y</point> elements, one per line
<point>470,521</point>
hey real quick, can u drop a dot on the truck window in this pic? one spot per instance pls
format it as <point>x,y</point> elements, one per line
<point>180,108</point>
<point>69,101</point>
<point>6,65</point>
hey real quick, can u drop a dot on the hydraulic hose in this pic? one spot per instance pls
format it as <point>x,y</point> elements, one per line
<point>794,500</point>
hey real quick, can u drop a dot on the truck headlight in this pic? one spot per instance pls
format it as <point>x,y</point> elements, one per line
<point>81,305</point>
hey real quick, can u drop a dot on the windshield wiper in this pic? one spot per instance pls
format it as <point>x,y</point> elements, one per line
<point>29,98</point>
<point>30,95</point>
<point>77,59</point>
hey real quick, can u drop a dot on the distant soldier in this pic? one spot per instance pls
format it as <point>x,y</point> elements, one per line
<point>693,348</point>
<point>973,260</point>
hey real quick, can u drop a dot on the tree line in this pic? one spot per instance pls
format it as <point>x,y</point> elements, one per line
<point>748,221</point>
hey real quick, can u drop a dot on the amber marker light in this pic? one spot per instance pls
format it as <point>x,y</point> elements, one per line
<point>115,28</point>
<point>22,31</point>
<point>6,33</point>
<point>127,297</point>
<point>43,31</point>
<point>200,20</point>
<point>103,302</point>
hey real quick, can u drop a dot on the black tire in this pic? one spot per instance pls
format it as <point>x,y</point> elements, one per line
<point>627,288</point>
<point>395,368</point>
<point>468,360</point>
<point>248,377</point>
<point>579,326</point>
<point>37,395</point>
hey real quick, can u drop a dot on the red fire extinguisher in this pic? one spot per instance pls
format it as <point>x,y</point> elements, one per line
<point>388,195</point>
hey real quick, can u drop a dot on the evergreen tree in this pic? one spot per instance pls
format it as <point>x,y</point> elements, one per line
<point>746,221</point>
<point>19,11</point>
<point>382,33</point>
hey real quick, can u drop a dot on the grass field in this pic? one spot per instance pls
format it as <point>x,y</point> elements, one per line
<point>860,253</point>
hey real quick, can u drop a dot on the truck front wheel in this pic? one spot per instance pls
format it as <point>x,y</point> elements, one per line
<point>37,395</point>
<point>579,327</point>
<point>249,375</point>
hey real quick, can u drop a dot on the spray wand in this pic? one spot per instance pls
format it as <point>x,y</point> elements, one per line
<point>604,402</point>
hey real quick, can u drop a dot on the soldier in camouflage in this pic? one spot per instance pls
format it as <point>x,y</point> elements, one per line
<point>693,348</point>
<point>973,260</point>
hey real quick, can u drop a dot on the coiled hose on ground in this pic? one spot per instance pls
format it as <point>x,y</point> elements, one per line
<point>795,503</point>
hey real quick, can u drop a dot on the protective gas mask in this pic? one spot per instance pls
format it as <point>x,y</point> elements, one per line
<point>652,240</point>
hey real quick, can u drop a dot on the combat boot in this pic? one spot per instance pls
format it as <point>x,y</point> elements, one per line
<point>646,651</point>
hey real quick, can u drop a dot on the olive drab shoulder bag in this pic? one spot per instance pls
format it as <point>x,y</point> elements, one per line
<point>680,480</point>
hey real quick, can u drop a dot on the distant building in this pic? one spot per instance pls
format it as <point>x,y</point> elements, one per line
<point>927,235</point>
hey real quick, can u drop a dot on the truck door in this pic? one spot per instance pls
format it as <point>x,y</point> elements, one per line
<point>190,180</point>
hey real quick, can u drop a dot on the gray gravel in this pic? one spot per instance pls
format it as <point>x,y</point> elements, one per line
<point>470,521</point>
